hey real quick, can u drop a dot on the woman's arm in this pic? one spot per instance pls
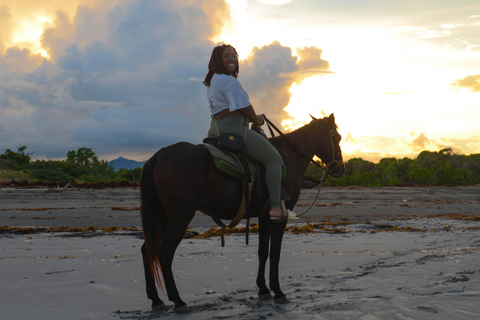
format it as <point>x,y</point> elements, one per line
<point>249,112</point>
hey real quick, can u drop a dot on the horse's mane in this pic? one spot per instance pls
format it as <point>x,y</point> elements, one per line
<point>300,136</point>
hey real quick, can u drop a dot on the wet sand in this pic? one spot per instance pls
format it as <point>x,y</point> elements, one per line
<point>402,253</point>
<point>107,207</point>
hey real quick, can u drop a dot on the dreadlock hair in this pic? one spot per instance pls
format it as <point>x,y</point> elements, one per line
<point>216,64</point>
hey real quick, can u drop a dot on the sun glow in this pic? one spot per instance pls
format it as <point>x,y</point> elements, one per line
<point>385,86</point>
<point>29,34</point>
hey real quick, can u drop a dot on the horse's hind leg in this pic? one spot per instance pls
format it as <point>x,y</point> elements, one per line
<point>166,252</point>
<point>152,294</point>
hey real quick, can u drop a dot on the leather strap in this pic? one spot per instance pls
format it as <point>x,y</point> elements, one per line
<point>243,210</point>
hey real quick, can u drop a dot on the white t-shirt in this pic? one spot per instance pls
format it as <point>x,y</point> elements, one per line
<point>226,92</point>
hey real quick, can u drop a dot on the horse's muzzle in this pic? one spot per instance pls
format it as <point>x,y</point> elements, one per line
<point>339,171</point>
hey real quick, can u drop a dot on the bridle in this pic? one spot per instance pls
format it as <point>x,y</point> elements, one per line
<point>327,168</point>
<point>334,164</point>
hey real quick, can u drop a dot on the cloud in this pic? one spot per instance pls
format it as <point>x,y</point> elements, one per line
<point>471,82</point>
<point>311,58</point>
<point>275,2</point>
<point>310,63</point>
<point>262,76</point>
<point>348,138</point>
<point>420,142</point>
<point>466,145</point>
<point>125,78</point>
<point>5,26</point>
<point>450,27</point>
<point>117,80</point>
<point>20,60</point>
<point>270,71</point>
<point>55,39</point>
<point>374,148</point>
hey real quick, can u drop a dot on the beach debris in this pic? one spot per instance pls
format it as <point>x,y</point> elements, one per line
<point>68,185</point>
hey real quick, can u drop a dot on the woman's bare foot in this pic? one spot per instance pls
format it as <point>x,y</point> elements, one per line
<point>279,214</point>
<point>276,212</point>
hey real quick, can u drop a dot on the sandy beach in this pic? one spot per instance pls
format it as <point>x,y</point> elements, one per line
<point>368,253</point>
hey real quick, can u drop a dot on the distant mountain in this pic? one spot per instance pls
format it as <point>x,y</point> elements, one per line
<point>128,164</point>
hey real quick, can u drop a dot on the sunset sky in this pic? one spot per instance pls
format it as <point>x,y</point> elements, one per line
<point>124,77</point>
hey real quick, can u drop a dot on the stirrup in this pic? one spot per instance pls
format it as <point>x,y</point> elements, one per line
<point>286,214</point>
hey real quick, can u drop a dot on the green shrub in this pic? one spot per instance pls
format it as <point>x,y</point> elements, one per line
<point>429,168</point>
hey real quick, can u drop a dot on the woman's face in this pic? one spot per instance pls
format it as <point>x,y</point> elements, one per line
<point>230,59</point>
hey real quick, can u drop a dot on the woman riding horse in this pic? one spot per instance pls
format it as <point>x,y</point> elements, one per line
<point>232,111</point>
<point>181,179</point>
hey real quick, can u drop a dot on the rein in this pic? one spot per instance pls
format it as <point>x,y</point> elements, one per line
<point>326,168</point>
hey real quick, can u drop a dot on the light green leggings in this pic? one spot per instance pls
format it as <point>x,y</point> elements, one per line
<point>259,149</point>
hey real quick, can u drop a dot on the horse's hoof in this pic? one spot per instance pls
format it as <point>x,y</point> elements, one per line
<point>183,309</point>
<point>282,300</point>
<point>159,307</point>
<point>265,296</point>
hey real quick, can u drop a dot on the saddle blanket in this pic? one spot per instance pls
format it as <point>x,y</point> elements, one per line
<point>225,162</point>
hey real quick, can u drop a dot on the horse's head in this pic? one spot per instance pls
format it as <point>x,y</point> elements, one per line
<point>330,153</point>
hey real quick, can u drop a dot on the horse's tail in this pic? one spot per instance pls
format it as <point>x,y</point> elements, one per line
<point>153,218</point>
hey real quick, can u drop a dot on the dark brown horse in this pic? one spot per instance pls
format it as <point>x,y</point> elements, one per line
<point>181,179</point>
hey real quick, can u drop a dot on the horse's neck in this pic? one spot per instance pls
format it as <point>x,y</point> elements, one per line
<point>305,140</point>
<point>297,149</point>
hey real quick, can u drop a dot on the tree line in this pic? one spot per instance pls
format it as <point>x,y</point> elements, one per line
<point>81,165</point>
<point>429,168</point>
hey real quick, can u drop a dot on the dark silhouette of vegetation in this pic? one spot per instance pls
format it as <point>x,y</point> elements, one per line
<point>15,160</point>
<point>82,165</point>
<point>429,168</point>
<point>130,175</point>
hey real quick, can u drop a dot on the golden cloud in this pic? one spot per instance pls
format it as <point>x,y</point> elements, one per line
<point>22,22</point>
<point>420,142</point>
<point>471,82</point>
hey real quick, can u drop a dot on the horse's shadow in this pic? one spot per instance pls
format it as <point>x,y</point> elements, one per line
<point>239,304</point>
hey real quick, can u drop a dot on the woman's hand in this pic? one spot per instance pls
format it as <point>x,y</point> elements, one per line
<point>260,120</point>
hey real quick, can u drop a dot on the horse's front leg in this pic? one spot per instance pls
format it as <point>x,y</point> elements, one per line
<point>263,244</point>
<point>166,252</point>
<point>275,250</point>
<point>152,294</point>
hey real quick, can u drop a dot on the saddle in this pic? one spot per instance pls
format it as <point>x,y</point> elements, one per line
<point>235,163</point>
<point>241,166</point>
<point>231,164</point>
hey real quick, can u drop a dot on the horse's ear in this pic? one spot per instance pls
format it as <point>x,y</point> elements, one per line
<point>313,118</point>
<point>331,119</point>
